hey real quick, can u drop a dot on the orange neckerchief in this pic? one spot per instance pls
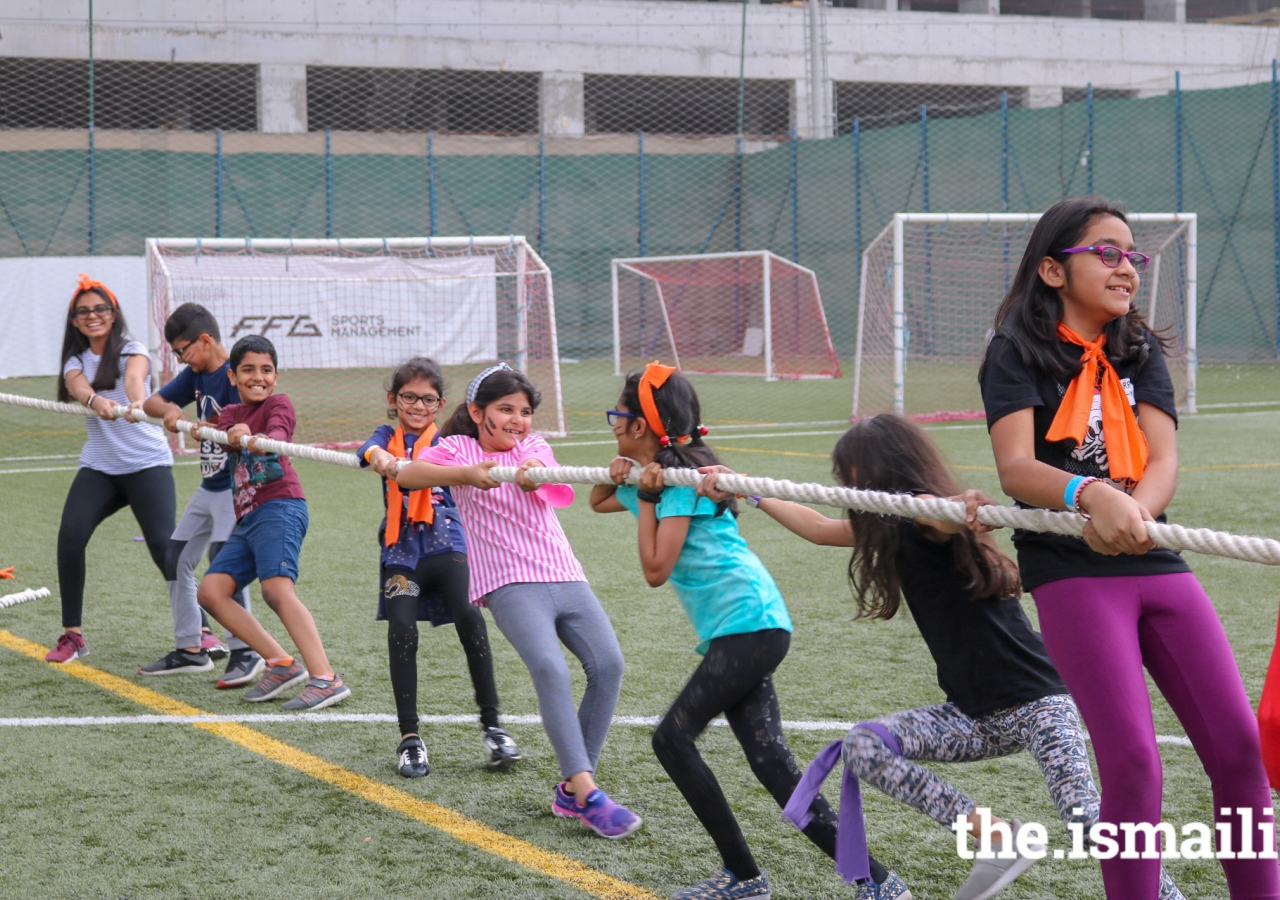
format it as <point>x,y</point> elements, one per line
<point>88,284</point>
<point>420,506</point>
<point>1126,444</point>
<point>655,376</point>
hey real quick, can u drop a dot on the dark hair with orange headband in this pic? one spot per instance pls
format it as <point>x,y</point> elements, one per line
<point>669,404</point>
<point>74,342</point>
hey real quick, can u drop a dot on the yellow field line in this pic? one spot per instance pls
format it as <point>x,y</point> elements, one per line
<point>452,823</point>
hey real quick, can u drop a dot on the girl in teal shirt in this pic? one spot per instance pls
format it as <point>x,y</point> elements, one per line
<point>741,620</point>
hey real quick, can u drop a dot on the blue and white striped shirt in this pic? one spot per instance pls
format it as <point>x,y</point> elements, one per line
<point>119,447</point>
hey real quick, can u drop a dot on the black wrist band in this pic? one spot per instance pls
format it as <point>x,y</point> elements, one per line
<point>649,496</point>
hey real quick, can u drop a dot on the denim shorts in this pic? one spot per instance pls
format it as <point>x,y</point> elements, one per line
<point>265,544</point>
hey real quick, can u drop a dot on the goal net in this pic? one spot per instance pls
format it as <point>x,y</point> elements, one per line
<point>343,313</point>
<point>750,313</point>
<point>930,287</point>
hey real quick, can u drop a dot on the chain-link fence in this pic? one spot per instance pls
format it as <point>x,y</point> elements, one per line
<point>661,170</point>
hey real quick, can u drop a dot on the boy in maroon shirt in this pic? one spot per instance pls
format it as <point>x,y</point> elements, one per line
<point>271,521</point>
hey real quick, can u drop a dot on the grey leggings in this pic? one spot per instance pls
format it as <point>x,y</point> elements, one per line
<point>536,617</point>
<point>1049,728</point>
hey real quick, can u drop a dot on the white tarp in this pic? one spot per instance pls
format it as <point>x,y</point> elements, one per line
<point>35,293</point>
<point>334,312</point>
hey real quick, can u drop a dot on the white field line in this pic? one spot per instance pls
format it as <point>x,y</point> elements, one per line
<point>13,459</point>
<point>185,462</point>
<point>380,718</point>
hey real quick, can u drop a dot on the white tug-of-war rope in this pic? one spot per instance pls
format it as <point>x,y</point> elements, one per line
<point>1174,537</point>
<point>23,596</point>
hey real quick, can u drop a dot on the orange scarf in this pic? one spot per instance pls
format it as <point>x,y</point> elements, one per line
<point>421,509</point>
<point>1126,444</point>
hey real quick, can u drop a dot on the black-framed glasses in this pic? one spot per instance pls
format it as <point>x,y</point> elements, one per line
<point>1113,256</point>
<point>613,415</point>
<point>408,401</point>
<point>84,312</point>
<point>181,352</point>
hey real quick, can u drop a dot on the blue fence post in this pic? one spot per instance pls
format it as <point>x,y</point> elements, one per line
<point>737,188</point>
<point>328,182</point>
<point>217,187</point>
<point>928,249</point>
<point>1004,151</point>
<point>431,184</point>
<point>795,199</point>
<point>93,191</point>
<point>924,154</point>
<point>1177,140</point>
<point>1088,138</point>
<point>542,191</point>
<point>1275,188</point>
<point>857,183</point>
<point>640,197</point>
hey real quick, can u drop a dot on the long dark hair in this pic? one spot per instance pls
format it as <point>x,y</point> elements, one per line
<point>681,415</point>
<point>1030,312</point>
<point>495,387</point>
<point>890,453</point>
<point>74,343</point>
<point>411,370</point>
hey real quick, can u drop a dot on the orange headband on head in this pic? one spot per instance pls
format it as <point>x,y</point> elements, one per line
<point>655,376</point>
<point>88,284</point>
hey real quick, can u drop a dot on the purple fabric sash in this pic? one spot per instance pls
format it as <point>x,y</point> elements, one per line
<point>853,862</point>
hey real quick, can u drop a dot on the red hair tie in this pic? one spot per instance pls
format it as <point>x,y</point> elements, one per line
<point>704,430</point>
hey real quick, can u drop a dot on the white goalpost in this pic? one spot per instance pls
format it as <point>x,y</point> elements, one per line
<point>930,284</point>
<point>343,312</point>
<point>745,313</point>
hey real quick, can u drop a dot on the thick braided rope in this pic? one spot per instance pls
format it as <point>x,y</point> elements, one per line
<point>1175,537</point>
<point>23,596</point>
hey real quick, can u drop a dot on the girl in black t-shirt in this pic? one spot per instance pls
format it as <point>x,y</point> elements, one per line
<point>1002,692</point>
<point>1082,417</point>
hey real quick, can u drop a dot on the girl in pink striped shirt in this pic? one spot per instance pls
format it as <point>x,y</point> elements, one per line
<point>524,570</point>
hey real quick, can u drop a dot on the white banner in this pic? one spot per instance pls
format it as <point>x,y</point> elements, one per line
<point>35,293</point>
<point>333,313</point>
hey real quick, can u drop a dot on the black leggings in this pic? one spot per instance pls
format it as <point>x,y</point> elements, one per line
<point>736,678</point>
<point>446,575</point>
<point>93,497</point>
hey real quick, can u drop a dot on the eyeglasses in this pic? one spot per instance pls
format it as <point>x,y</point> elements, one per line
<point>181,352</point>
<point>408,401</point>
<point>613,415</point>
<point>1113,256</point>
<point>84,312</point>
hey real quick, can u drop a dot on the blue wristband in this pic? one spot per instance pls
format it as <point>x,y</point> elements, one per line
<point>1069,494</point>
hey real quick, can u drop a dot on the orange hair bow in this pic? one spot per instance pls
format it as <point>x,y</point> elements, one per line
<point>655,376</point>
<point>88,284</point>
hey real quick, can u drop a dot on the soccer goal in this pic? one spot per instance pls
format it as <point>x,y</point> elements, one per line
<point>930,287</point>
<point>342,313</point>
<point>750,313</point>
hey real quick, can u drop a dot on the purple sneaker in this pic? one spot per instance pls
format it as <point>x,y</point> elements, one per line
<point>564,805</point>
<point>607,818</point>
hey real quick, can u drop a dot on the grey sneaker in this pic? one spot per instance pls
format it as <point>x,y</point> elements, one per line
<point>723,886</point>
<point>178,662</point>
<point>319,693</point>
<point>243,667</point>
<point>275,681</point>
<point>990,876</point>
<point>413,758</point>
<point>893,888</point>
<point>500,748</point>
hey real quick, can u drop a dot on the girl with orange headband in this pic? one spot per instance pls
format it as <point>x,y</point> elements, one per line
<point>1082,417</point>
<point>424,573</point>
<point>740,618</point>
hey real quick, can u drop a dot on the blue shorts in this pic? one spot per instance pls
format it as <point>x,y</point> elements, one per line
<point>265,544</point>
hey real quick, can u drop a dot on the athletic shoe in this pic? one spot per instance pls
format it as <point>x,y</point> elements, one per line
<point>893,888</point>
<point>319,693</point>
<point>990,876</point>
<point>178,662</point>
<point>242,668</point>
<point>210,644</point>
<point>608,819</point>
<point>413,757</point>
<point>724,886</point>
<point>275,681</point>
<point>564,805</point>
<point>70,646</point>
<point>500,748</point>
<point>1169,890</point>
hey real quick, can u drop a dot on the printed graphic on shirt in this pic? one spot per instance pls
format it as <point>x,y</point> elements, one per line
<point>213,456</point>
<point>399,586</point>
<point>1090,457</point>
<point>253,471</point>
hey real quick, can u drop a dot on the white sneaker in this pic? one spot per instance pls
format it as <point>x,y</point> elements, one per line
<point>990,876</point>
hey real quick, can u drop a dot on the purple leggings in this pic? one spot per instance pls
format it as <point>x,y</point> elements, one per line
<point>1100,632</point>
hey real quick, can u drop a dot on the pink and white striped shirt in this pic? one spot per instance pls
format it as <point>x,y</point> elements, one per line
<point>512,536</point>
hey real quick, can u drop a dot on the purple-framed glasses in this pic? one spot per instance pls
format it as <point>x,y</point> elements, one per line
<point>613,415</point>
<point>1113,256</point>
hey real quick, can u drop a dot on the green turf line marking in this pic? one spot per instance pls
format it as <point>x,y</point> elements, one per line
<point>451,822</point>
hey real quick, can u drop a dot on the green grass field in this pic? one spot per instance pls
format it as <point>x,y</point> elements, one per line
<point>173,811</point>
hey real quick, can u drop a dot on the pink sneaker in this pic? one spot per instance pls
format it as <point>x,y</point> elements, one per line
<point>210,644</point>
<point>70,646</point>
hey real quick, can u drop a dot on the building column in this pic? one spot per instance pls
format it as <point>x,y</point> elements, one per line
<point>979,7</point>
<point>802,113</point>
<point>561,105</point>
<point>1165,11</point>
<point>1040,97</point>
<point>878,4</point>
<point>282,99</point>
